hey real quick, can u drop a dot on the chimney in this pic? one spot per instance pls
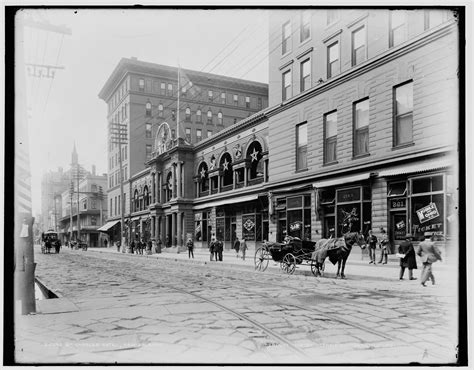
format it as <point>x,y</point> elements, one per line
<point>93,170</point>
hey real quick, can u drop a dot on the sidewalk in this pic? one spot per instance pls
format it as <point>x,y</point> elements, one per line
<point>357,266</point>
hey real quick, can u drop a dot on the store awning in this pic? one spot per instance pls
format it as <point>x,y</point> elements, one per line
<point>420,166</point>
<point>108,225</point>
<point>341,180</point>
<point>222,202</point>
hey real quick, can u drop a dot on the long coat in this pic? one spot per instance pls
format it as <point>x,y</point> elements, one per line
<point>428,252</point>
<point>407,249</point>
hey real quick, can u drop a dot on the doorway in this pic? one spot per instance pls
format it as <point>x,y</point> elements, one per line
<point>398,228</point>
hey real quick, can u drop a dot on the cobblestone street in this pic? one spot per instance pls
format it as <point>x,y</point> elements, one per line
<point>121,308</point>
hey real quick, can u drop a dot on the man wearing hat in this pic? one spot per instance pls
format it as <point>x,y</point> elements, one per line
<point>409,260</point>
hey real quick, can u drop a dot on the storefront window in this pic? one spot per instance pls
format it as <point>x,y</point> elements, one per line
<point>248,227</point>
<point>295,221</point>
<point>353,211</point>
<point>427,206</point>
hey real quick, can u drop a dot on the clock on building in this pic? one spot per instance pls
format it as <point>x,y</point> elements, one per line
<point>162,138</point>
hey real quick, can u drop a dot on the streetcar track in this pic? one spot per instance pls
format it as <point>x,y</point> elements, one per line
<point>266,330</point>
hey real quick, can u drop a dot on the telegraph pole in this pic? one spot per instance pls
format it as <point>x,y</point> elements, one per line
<point>118,133</point>
<point>71,193</point>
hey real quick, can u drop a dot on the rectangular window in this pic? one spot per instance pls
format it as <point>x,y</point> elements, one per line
<point>433,18</point>
<point>247,102</point>
<point>305,28</point>
<point>148,130</point>
<point>209,133</point>
<point>358,46</point>
<point>397,27</point>
<point>403,121</point>
<point>301,146</point>
<point>286,38</point>
<point>148,151</point>
<point>141,84</point>
<point>210,95</point>
<point>119,208</point>
<point>286,85</point>
<point>110,206</point>
<point>361,127</point>
<point>163,88</point>
<point>148,85</point>
<point>188,134</point>
<point>259,103</point>
<point>170,89</point>
<point>333,59</point>
<point>330,137</point>
<point>115,205</point>
<point>305,73</point>
<point>236,99</point>
<point>223,100</point>
<point>332,16</point>
<point>198,134</point>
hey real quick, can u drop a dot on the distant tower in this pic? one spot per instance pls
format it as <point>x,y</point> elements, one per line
<point>74,158</point>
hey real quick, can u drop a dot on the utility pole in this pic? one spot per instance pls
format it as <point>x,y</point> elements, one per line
<point>78,175</point>
<point>24,270</point>
<point>118,133</point>
<point>71,192</point>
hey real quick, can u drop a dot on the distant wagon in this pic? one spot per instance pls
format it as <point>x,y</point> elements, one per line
<point>50,240</point>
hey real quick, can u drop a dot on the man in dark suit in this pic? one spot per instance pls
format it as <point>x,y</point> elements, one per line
<point>429,254</point>
<point>409,259</point>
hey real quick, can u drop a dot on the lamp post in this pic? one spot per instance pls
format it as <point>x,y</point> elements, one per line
<point>118,133</point>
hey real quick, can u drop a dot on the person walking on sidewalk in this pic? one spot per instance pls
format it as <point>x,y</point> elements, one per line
<point>384,245</point>
<point>237,246</point>
<point>372,243</point>
<point>219,249</point>
<point>132,246</point>
<point>243,248</point>
<point>212,247</point>
<point>190,246</point>
<point>407,258</point>
<point>429,254</point>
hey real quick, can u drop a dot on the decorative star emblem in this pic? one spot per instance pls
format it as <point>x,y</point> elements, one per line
<point>203,173</point>
<point>254,155</point>
<point>226,164</point>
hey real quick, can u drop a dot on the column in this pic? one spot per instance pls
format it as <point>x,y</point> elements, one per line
<point>245,175</point>
<point>265,170</point>
<point>160,187</point>
<point>218,183</point>
<point>234,178</point>
<point>165,231</point>
<point>173,179</point>
<point>173,229</point>
<point>178,185</point>
<point>153,188</point>
<point>179,230</point>
<point>152,231</point>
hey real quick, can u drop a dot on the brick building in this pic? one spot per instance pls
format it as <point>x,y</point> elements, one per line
<point>144,96</point>
<point>363,118</point>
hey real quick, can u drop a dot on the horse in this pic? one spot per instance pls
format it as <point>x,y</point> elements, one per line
<point>339,250</point>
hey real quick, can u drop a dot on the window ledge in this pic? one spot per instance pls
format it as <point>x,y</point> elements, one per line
<point>302,170</point>
<point>401,146</point>
<point>359,156</point>
<point>330,163</point>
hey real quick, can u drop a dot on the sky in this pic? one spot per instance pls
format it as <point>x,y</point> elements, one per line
<point>66,109</point>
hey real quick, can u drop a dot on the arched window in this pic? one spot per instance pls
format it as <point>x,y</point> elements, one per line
<point>148,109</point>
<point>209,116</point>
<point>219,118</point>
<point>226,167</point>
<point>160,110</point>
<point>188,114</point>
<point>146,199</point>
<point>203,177</point>
<point>254,155</point>
<point>136,201</point>
<point>198,115</point>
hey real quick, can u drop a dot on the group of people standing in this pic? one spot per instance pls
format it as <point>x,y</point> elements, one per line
<point>426,249</point>
<point>240,246</point>
<point>138,246</point>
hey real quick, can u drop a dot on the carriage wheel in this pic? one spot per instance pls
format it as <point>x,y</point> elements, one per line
<point>288,264</point>
<point>261,259</point>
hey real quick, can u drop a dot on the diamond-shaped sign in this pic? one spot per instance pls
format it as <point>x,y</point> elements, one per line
<point>249,224</point>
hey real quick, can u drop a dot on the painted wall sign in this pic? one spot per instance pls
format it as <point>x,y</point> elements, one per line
<point>427,213</point>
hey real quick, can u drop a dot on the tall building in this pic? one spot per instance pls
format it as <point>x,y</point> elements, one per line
<point>52,185</point>
<point>363,120</point>
<point>144,96</point>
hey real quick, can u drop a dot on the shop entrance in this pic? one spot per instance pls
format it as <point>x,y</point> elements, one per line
<point>398,227</point>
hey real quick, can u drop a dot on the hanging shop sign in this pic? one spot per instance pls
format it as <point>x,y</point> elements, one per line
<point>295,226</point>
<point>248,223</point>
<point>427,213</point>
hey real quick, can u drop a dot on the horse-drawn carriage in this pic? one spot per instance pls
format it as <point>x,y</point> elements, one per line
<point>295,251</point>
<point>49,240</point>
<point>292,252</point>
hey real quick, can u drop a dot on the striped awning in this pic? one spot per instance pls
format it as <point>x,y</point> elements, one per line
<point>420,166</point>
<point>108,225</point>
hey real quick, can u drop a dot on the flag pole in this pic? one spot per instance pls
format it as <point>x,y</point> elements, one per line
<point>177,110</point>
